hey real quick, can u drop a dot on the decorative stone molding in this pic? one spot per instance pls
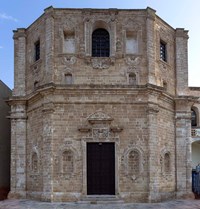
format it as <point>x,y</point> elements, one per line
<point>84,129</point>
<point>152,109</point>
<point>133,61</point>
<point>67,148</point>
<point>99,117</point>
<point>70,23</point>
<point>36,67</point>
<point>100,133</point>
<point>68,59</point>
<point>48,107</point>
<point>100,62</point>
<point>116,129</point>
<point>100,128</point>
<point>132,25</point>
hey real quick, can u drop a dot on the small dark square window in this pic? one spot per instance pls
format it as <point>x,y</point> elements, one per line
<point>163,51</point>
<point>37,50</point>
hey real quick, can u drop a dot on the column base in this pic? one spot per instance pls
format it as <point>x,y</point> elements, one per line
<point>185,195</point>
<point>17,195</point>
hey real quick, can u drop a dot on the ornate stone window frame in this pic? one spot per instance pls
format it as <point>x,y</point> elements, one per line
<point>75,156</point>
<point>141,162</point>
<point>103,23</point>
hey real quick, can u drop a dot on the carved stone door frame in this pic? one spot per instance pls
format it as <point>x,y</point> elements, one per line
<point>84,142</point>
<point>98,128</point>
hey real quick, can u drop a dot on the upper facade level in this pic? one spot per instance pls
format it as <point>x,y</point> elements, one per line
<point>100,47</point>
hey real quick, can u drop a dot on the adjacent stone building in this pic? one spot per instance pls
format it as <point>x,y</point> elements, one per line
<point>5,93</point>
<point>101,107</point>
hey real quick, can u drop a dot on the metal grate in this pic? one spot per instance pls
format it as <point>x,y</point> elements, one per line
<point>163,52</point>
<point>100,43</point>
<point>37,50</point>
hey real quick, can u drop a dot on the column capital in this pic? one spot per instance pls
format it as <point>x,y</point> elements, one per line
<point>152,109</point>
<point>183,115</point>
<point>151,13</point>
<point>20,32</point>
<point>181,32</point>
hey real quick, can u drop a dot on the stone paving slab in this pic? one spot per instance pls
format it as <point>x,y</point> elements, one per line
<point>29,204</point>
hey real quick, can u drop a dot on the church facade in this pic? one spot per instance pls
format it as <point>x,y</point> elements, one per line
<point>101,107</point>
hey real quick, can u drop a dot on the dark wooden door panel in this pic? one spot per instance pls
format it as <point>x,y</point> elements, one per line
<point>100,168</point>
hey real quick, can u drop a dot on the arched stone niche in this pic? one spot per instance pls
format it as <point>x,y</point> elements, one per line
<point>68,156</point>
<point>34,160</point>
<point>133,159</point>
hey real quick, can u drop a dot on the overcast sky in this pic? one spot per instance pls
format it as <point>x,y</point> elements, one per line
<point>21,13</point>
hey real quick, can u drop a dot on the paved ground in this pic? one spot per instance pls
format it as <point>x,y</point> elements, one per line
<point>27,204</point>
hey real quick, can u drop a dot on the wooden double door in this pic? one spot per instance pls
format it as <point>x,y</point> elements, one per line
<point>100,168</point>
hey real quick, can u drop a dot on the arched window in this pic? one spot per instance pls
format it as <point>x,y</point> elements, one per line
<point>100,43</point>
<point>132,79</point>
<point>68,162</point>
<point>68,78</point>
<point>167,163</point>
<point>36,84</point>
<point>165,85</point>
<point>34,162</point>
<point>134,162</point>
<point>194,118</point>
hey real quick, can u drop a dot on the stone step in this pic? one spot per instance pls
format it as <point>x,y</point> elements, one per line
<point>101,199</point>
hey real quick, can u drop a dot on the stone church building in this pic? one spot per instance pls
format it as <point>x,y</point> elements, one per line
<point>101,108</point>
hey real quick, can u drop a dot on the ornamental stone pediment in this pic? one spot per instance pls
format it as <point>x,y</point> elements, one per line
<point>98,117</point>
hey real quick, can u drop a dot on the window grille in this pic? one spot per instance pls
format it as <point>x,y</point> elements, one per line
<point>37,50</point>
<point>163,51</point>
<point>194,118</point>
<point>100,43</point>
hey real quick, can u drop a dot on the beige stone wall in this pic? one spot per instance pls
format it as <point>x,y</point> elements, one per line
<point>68,98</point>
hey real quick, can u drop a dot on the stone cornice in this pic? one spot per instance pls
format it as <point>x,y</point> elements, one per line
<point>151,13</point>
<point>20,32</point>
<point>181,32</point>
<point>185,98</point>
<point>17,100</point>
<point>51,88</point>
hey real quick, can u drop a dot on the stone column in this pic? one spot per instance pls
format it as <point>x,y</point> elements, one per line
<point>181,61</point>
<point>18,150</point>
<point>49,45</point>
<point>19,61</point>
<point>151,46</point>
<point>153,158</point>
<point>183,149</point>
<point>47,158</point>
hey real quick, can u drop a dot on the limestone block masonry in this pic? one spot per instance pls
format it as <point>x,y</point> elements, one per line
<point>69,95</point>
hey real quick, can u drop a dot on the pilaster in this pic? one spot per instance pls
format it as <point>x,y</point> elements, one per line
<point>47,158</point>
<point>151,45</point>
<point>19,61</point>
<point>153,158</point>
<point>183,149</point>
<point>181,61</point>
<point>49,45</point>
<point>18,150</point>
